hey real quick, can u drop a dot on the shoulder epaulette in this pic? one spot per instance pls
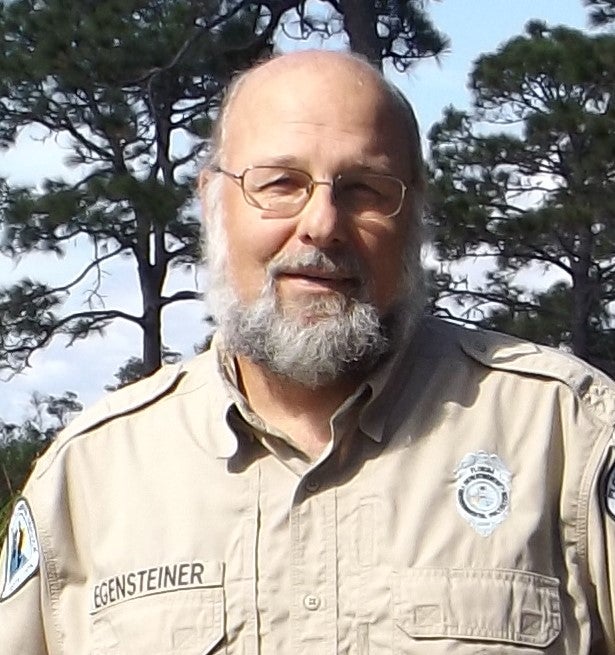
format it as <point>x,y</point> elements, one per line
<point>507,353</point>
<point>121,402</point>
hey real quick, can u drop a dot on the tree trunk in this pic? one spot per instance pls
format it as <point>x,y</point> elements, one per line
<point>583,294</point>
<point>151,320</point>
<point>152,269</point>
<point>360,25</point>
<point>152,340</point>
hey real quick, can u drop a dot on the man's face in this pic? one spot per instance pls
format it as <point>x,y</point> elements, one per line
<point>325,120</point>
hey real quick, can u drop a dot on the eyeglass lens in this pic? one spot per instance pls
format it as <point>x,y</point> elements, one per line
<point>285,190</point>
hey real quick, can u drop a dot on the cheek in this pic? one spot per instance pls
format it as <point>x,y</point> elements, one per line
<point>252,242</point>
<point>383,252</point>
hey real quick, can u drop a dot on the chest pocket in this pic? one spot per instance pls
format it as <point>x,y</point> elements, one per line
<point>489,606</point>
<point>179,621</point>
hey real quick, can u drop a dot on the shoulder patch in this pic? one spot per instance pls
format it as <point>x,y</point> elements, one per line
<point>22,550</point>
<point>609,492</point>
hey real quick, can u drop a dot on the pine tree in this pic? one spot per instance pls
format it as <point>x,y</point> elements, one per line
<point>538,194</point>
<point>133,84</point>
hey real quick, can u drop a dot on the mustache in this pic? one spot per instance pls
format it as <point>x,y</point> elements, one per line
<point>339,263</point>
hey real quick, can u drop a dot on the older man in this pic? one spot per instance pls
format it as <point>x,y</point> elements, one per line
<point>335,475</point>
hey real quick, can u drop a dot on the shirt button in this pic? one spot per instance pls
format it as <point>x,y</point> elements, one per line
<point>312,485</point>
<point>311,602</point>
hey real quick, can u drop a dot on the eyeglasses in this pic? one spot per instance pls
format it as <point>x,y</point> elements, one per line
<point>283,192</point>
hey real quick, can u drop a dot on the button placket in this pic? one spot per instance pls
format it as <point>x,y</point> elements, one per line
<point>313,570</point>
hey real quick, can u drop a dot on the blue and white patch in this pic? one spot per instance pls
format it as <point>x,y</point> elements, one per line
<point>609,493</point>
<point>483,491</point>
<point>22,550</point>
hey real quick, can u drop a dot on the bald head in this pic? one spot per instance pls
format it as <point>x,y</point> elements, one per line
<point>342,80</point>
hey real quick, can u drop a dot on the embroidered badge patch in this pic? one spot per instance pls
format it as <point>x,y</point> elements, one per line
<point>483,491</point>
<point>22,550</point>
<point>609,493</point>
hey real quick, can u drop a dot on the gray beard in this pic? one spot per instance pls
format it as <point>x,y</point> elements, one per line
<point>347,337</point>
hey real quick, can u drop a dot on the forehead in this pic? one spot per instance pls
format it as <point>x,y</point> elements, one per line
<point>297,107</point>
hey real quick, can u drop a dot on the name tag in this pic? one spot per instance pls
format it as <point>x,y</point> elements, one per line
<point>158,579</point>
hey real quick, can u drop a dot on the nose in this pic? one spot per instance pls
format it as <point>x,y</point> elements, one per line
<point>320,221</point>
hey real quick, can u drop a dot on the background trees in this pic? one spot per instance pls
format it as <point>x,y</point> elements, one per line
<point>525,180</point>
<point>21,443</point>
<point>399,33</point>
<point>130,86</point>
<point>601,12</point>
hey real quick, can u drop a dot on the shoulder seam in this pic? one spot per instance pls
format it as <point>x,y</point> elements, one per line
<point>97,417</point>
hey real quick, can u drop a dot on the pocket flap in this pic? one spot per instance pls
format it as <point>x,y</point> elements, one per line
<point>495,605</point>
<point>186,617</point>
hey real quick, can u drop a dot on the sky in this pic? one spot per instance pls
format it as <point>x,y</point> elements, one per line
<point>473,27</point>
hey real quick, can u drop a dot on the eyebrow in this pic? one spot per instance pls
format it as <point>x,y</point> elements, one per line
<point>292,161</point>
<point>282,160</point>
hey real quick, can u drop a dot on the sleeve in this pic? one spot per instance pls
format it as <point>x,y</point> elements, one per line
<point>21,620</point>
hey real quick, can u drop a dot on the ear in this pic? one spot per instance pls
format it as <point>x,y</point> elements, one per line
<point>203,179</point>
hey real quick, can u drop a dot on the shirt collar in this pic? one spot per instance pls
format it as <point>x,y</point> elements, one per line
<point>373,394</point>
<point>384,382</point>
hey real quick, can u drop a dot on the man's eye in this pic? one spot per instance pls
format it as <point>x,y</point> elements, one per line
<point>361,188</point>
<point>282,184</point>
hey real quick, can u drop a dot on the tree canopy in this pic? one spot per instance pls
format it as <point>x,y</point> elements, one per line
<point>602,12</point>
<point>525,181</point>
<point>131,85</point>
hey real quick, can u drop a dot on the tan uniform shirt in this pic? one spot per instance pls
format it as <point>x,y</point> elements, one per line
<point>461,508</point>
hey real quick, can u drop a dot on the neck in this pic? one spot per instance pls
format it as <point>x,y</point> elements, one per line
<point>301,412</point>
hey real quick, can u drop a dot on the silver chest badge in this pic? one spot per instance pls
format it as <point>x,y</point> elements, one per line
<point>483,491</point>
